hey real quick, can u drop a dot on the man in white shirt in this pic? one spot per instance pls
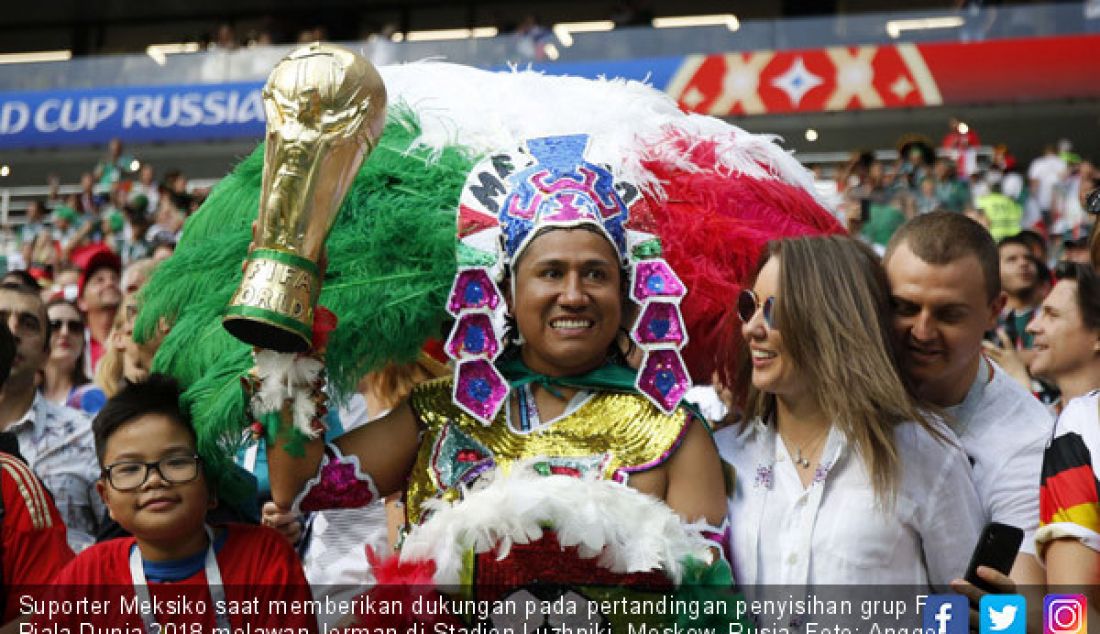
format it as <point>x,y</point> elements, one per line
<point>1042,175</point>
<point>147,186</point>
<point>56,441</point>
<point>944,277</point>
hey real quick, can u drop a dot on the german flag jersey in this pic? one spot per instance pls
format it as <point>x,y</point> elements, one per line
<point>1069,496</point>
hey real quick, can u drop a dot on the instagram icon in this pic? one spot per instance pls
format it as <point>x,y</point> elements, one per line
<point>1064,614</point>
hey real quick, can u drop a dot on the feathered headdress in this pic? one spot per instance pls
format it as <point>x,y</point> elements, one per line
<point>508,199</point>
<point>712,193</point>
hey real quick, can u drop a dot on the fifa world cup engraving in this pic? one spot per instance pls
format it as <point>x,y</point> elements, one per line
<point>325,108</point>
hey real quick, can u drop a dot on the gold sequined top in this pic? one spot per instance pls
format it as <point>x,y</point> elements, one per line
<point>612,434</point>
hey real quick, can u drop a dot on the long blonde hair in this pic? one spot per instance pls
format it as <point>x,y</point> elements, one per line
<point>833,309</point>
<point>108,374</point>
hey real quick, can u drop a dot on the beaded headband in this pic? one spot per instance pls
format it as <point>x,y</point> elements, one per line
<point>507,199</point>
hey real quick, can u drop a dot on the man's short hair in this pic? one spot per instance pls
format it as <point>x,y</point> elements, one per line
<point>43,314</point>
<point>1016,239</point>
<point>20,277</point>
<point>1088,290</point>
<point>158,394</point>
<point>165,240</point>
<point>942,237</point>
<point>1033,239</point>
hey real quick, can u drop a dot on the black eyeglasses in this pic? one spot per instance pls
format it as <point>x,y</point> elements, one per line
<point>74,325</point>
<point>129,475</point>
<point>748,303</point>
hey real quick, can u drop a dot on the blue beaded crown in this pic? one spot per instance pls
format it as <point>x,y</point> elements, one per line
<point>507,199</point>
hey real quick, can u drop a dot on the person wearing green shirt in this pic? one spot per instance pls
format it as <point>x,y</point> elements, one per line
<point>1004,213</point>
<point>883,221</point>
<point>953,194</point>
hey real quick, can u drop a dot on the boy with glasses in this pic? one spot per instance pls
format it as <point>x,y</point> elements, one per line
<point>154,486</point>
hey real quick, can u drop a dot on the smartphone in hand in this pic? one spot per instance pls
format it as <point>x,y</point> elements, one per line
<point>997,548</point>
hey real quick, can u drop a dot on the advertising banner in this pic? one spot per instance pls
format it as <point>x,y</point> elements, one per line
<point>137,114</point>
<point>888,76</point>
<point>726,84</point>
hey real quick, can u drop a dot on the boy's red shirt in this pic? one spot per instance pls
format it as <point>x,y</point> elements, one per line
<point>259,569</point>
<point>32,545</point>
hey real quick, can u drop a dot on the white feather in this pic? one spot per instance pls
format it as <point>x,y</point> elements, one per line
<point>622,529</point>
<point>494,111</point>
<point>287,377</point>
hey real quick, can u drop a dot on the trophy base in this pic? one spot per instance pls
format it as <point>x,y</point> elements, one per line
<point>273,307</point>
<point>264,335</point>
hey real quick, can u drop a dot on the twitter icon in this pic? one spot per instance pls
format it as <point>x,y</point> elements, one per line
<point>1003,614</point>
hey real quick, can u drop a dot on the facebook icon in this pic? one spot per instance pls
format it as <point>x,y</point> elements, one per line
<point>946,614</point>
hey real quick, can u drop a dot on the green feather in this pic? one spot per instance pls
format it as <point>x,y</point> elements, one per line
<point>711,585</point>
<point>391,263</point>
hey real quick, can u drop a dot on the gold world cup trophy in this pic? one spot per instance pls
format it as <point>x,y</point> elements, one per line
<point>325,107</point>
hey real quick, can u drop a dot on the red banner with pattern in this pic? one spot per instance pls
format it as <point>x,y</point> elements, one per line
<point>889,76</point>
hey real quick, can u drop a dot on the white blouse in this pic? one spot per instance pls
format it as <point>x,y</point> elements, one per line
<point>834,531</point>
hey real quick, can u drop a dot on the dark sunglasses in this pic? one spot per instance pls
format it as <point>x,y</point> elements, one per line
<point>748,303</point>
<point>74,325</point>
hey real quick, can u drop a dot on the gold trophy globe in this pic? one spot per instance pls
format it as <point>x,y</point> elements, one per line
<point>325,108</point>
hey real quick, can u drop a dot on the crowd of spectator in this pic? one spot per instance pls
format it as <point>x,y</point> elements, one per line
<point>121,208</point>
<point>1044,198</point>
<point>996,324</point>
<point>1036,212</point>
<point>84,256</point>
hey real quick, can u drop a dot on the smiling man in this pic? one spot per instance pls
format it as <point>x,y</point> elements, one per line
<point>944,277</point>
<point>560,403</point>
<point>571,296</point>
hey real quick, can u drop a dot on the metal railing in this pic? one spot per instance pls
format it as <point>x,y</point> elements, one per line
<point>14,201</point>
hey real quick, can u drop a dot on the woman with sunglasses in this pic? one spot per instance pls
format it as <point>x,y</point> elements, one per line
<point>841,477</point>
<point>65,380</point>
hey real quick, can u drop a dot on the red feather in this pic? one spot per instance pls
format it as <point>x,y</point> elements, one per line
<point>713,227</point>
<point>324,322</point>
<point>410,583</point>
<point>391,571</point>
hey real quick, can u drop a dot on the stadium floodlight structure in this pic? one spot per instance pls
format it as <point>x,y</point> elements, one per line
<point>565,30</point>
<point>160,52</point>
<point>727,20</point>
<point>439,35</point>
<point>36,56</point>
<point>895,27</point>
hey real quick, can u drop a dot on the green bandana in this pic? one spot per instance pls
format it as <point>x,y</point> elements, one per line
<point>608,377</point>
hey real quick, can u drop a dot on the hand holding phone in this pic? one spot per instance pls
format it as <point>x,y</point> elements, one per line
<point>996,548</point>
